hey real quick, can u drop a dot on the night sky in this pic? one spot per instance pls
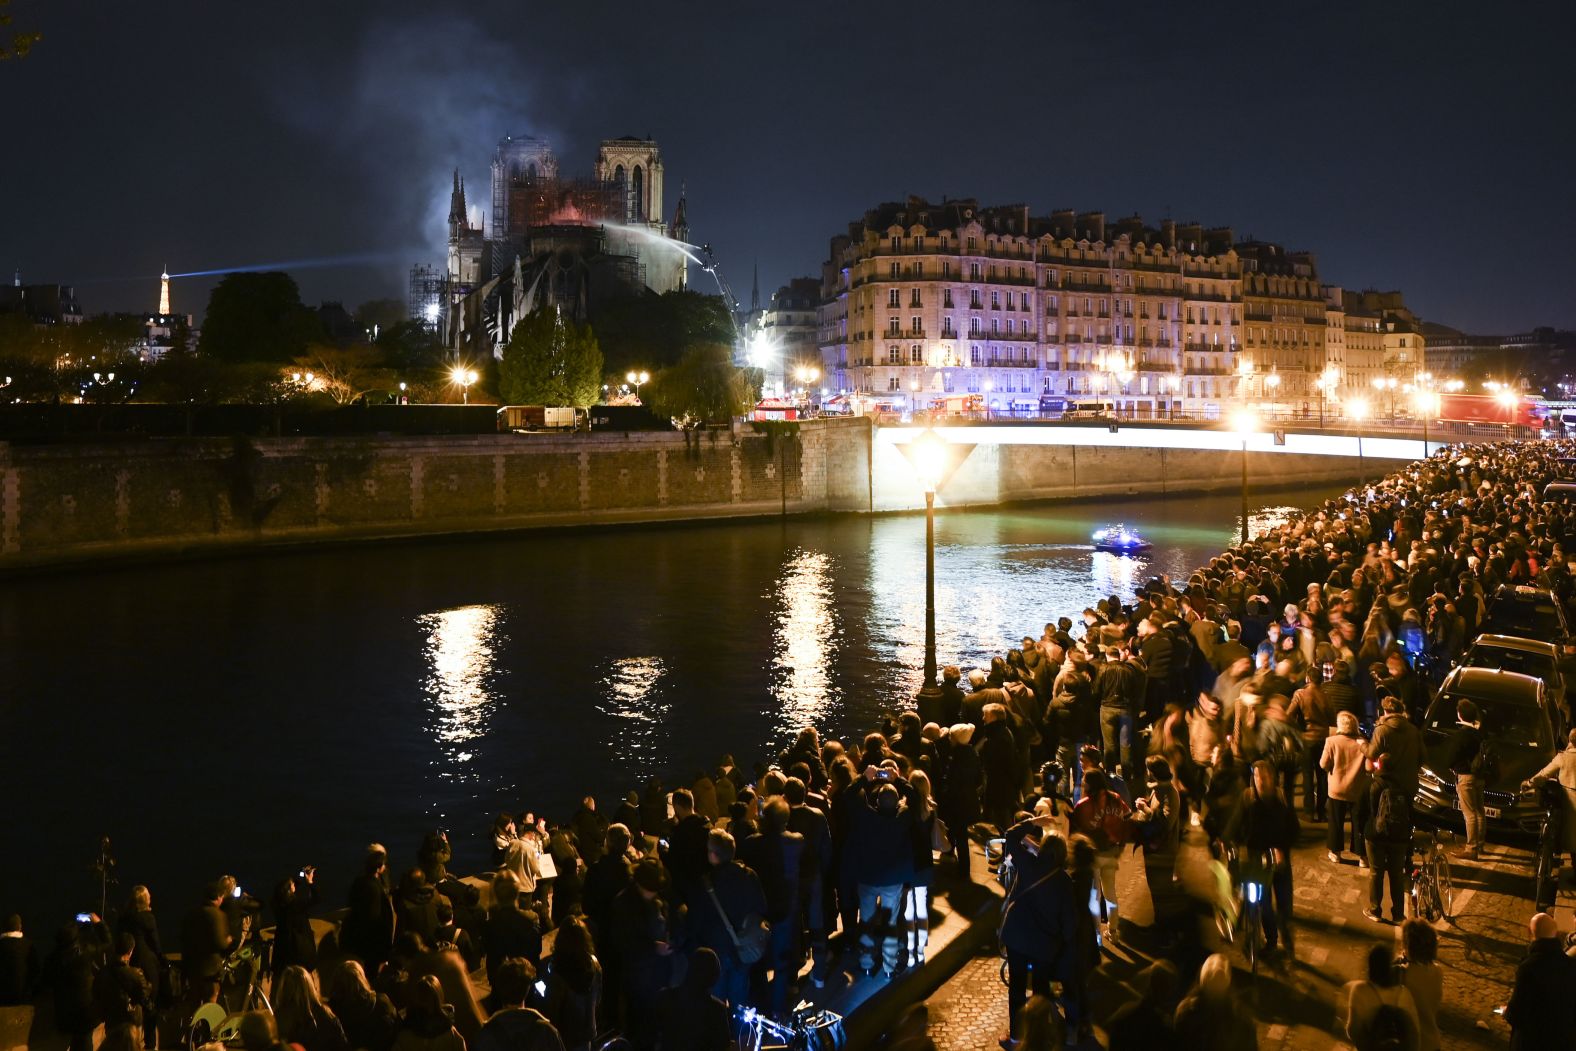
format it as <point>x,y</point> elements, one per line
<point>1425,146</point>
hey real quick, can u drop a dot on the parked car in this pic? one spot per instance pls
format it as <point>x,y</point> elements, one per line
<point>1515,725</point>
<point>1541,660</point>
<point>1527,613</point>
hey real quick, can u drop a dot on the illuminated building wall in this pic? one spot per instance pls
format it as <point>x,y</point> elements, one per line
<point>921,301</point>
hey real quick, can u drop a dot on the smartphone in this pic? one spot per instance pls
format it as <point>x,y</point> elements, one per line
<point>663,844</point>
<point>883,775</point>
<point>84,917</point>
<point>541,988</point>
<point>302,873</point>
<point>236,893</point>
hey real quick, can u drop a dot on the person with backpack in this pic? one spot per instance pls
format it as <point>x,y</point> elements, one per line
<point>1388,837</point>
<point>1380,1012</point>
<point>1399,744</point>
<point>1470,757</point>
<point>1101,815</point>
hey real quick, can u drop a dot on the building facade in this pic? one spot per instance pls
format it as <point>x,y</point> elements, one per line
<point>923,301</point>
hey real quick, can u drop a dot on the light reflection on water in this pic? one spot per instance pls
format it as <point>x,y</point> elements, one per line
<point>804,638</point>
<point>459,648</point>
<point>631,694</point>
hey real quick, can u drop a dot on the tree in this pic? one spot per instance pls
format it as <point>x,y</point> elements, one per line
<point>346,374</point>
<point>258,317</point>
<point>550,361</point>
<point>411,346</point>
<point>20,43</point>
<point>653,332</point>
<point>704,387</point>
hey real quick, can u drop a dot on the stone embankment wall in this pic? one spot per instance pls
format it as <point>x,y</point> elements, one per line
<point>63,504</point>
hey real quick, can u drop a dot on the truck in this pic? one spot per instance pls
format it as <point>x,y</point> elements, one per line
<point>537,418</point>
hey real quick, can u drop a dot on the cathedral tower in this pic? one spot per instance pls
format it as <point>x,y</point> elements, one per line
<point>636,164</point>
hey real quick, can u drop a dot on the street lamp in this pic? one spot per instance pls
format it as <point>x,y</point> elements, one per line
<point>1358,409</point>
<point>1426,403</point>
<point>635,379</point>
<point>463,378</point>
<point>1326,383</point>
<point>928,454</point>
<point>1245,424</point>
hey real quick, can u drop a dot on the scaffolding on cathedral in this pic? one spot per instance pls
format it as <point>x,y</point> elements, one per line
<point>429,291</point>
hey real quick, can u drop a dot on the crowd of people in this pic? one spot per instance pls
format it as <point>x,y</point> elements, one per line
<point>1282,683</point>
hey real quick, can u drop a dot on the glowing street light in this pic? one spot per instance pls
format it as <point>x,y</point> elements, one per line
<point>928,453</point>
<point>635,379</point>
<point>1358,409</point>
<point>463,377</point>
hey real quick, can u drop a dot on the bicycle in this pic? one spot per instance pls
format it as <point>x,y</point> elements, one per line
<point>1253,886</point>
<point>1545,887</point>
<point>1432,894</point>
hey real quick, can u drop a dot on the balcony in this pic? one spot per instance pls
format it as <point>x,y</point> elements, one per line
<point>997,363</point>
<point>1155,365</point>
<point>1207,370</point>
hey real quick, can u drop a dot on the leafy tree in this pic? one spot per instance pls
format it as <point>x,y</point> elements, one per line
<point>412,346</point>
<point>550,361</point>
<point>653,332</point>
<point>258,317</point>
<point>20,43</point>
<point>704,387</point>
<point>346,374</point>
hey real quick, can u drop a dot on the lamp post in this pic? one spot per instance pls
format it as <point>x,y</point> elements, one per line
<point>1245,425</point>
<point>635,379</point>
<point>1358,409</point>
<point>928,453</point>
<point>463,378</point>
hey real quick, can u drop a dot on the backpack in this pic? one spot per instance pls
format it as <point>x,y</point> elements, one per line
<point>1388,1029</point>
<point>1485,764</point>
<point>1284,747</point>
<point>1392,819</point>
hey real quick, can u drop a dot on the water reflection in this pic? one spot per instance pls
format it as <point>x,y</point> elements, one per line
<point>460,648</point>
<point>1115,575</point>
<point>630,695</point>
<point>803,640</point>
<point>1264,519</point>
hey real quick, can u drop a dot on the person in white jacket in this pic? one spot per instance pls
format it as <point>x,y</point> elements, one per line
<point>1344,760</point>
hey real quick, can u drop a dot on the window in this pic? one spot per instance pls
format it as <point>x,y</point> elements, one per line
<point>972,243</point>
<point>919,269</point>
<point>913,297</point>
<point>916,354</point>
<point>893,383</point>
<point>995,301</point>
<point>1051,304</point>
<point>974,357</point>
<point>946,298</point>
<point>974,326</point>
<point>1023,356</point>
<point>894,325</point>
<point>946,325</point>
<point>1102,305</point>
<point>894,354</point>
<point>946,382</point>
<point>974,298</point>
<point>1024,300</point>
<point>895,271</point>
<point>919,323</point>
<point>995,325</point>
<point>892,299</point>
<point>946,267</point>
<point>974,271</point>
<point>1088,305</point>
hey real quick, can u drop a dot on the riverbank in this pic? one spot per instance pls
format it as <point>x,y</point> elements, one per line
<point>170,499</point>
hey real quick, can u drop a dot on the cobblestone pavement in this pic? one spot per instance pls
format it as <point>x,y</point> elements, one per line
<point>1298,1003</point>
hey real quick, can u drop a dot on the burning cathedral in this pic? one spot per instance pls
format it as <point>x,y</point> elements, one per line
<point>551,240</point>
